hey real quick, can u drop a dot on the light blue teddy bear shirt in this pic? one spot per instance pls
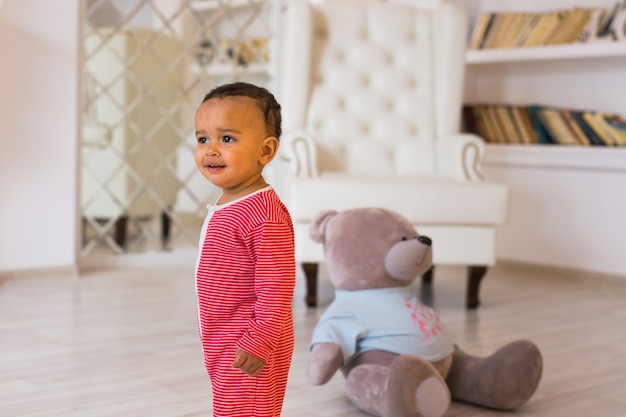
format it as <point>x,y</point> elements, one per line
<point>390,319</point>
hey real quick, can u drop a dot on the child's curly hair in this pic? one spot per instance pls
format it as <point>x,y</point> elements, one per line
<point>265,100</point>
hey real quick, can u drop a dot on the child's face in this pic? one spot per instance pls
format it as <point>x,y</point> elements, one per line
<point>233,145</point>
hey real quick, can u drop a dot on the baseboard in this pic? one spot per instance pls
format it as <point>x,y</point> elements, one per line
<point>562,271</point>
<point>54,271</point>
<point>188,257</point>
<point>131,260</point>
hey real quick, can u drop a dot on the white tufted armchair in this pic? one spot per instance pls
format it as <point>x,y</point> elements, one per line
<point>371,94</point>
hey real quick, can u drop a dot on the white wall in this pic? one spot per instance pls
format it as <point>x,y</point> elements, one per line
<point>38,133</point>
<point>565,216</point>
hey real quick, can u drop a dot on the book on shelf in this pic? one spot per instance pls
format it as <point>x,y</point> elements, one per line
<point>570,27</point>
<point>539,124</point>
<point>593,137</point>
<point>493,127</point>
<point>518,128</point>
<point>500,131</point>
<point>481,27</point>
<point>528,21</point>
<point>513,28</point>
<point>524,124</point>
<point>496,30</point>
<point>540,129</point>
<point>616,125</point>
<point>574,130</point>
<point>607,127</point>
<point>483,127</point>
<point>546,24</point>
<point>508,127</point>
<point>527,29</point>
<point>558,128</point>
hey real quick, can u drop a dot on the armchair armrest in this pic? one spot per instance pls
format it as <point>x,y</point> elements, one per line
<point>299,151</point>
<point>461,155</point>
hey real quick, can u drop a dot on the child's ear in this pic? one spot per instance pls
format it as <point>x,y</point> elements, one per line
<point>269,147</point>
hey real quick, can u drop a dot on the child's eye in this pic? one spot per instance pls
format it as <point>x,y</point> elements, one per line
<point>202,140</point>
<point>228,139</point>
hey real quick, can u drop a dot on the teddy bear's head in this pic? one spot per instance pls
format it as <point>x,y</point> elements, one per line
<point>370,248</point>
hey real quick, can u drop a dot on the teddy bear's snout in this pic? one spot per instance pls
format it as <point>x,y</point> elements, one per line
<point>425,240</point>
<point>409,258</point>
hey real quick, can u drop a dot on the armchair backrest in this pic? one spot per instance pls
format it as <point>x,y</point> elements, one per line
<point>375,83</point>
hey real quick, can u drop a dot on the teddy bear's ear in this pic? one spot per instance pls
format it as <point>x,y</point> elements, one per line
<point>317,230</point>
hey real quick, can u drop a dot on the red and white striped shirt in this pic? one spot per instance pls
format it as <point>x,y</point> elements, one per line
<point>245,279</point>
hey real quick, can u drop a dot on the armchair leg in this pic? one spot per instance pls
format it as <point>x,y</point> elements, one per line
<point>427,278</point>
<point>426,289</point>
<point>83,232</point>
<point>310,271</point>
<point>474,276</point>
<point>166,223</point>
<point>120,231</point>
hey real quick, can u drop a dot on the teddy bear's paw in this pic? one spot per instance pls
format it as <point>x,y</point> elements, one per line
<point>415,389</point>
<point>433,397</point>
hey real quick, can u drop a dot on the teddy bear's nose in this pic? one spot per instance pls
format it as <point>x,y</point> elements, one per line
<point>425,240</point>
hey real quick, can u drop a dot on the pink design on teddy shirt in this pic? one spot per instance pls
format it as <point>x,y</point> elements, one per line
<point>425,319</point>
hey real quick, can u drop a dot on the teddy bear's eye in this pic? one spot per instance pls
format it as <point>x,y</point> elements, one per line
<point>405,238</point>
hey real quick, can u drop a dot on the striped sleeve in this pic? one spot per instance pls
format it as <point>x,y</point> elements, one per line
<point>272,248</point>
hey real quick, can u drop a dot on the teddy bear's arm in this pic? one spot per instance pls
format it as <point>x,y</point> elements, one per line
<point>325,360</point>
<point>334,342</point>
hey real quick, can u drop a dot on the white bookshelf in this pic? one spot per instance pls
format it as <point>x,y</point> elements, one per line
<point>567,203</point>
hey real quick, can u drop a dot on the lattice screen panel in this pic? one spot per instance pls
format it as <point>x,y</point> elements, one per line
<point>147,65</point>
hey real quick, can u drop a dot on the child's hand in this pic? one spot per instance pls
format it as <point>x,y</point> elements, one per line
<point>247,363</point>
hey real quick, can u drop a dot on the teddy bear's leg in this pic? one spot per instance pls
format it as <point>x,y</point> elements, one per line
<point>365,385</point>
<point>410,387</point>
<point>504,380</point>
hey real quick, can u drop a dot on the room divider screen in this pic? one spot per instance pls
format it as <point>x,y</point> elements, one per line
<point>147,65</point>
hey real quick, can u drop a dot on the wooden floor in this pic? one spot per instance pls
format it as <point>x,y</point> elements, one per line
<point>123,342</point>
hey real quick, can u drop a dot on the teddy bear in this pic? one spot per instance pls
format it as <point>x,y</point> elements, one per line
<point>396,358</point>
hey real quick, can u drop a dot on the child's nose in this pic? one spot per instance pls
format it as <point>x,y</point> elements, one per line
<point>211,148</point>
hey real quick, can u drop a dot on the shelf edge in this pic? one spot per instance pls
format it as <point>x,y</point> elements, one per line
<point>557,157</point>
<point>203,5</point>
<point>220,70</point>
<point>547,53</point>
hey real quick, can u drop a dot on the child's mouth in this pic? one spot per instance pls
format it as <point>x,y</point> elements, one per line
<point>214,166</point>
